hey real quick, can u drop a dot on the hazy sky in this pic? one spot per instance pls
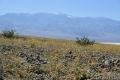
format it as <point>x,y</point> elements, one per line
<point>81,8</point>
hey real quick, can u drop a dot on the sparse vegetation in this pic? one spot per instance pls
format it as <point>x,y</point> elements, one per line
<point>51,59</point>
<point>84,41</point>
<point>8,33</point>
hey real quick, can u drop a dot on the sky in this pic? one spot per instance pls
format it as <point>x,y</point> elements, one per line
<point>78,8</point>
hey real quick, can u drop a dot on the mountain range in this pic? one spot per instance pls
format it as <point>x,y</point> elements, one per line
<point>62,26</point>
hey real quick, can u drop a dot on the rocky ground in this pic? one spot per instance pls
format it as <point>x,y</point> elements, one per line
<point>35,61</point>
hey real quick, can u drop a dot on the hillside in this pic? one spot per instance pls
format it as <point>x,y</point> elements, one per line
<point>31,58</point>
<point>62,26</point>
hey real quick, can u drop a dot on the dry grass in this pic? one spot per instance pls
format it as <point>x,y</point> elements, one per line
<point>17,68</point>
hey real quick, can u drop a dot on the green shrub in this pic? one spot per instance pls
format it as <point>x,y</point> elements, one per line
<point>84,41</point>
<point>8,33</point>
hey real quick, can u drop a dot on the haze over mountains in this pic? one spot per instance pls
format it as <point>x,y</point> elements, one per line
<point>62,26</point>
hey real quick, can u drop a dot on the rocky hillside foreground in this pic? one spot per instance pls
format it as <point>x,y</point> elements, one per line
<point>51,59</point>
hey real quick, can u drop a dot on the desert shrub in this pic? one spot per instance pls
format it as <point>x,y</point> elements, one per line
<point>8,33</point>
<point>84,41</point>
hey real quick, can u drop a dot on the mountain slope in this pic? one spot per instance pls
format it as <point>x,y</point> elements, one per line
<point>60,25</point>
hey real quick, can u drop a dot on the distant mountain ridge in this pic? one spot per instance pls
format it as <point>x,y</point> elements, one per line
<point>62,25</point>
